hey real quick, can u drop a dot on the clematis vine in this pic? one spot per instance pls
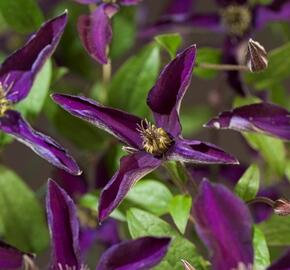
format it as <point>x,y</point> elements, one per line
<point>17,74</point>
<point>139,254</point>
<point>95,29</point>
<point>149,145</point>
<point>237,19</point>
<point>264,118</point>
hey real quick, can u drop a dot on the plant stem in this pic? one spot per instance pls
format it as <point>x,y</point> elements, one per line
<point>222,67</point>
<point>107,73</point>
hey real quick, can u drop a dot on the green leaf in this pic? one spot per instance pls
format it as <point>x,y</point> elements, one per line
<point>287,171</point>
<point>151,195</point>
<point>210,56</point>
<point>91,201</point>
<point>124,25</point>
<point>179,209</point>
<point>31,106</point>
<point>21,215</point>
<point>278,69</point>
<point>170,42</point>
<point>193,118</point>
<point>23,16</point>
<point>262,256</point>
<point>248,184</point>
<point>132,82</point>
<point>271,149</point>
<point>142,223</point>
<point>276,230</point>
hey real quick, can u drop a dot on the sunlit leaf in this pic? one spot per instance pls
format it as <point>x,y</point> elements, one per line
<point>262,256</point>
<point>170,42</point>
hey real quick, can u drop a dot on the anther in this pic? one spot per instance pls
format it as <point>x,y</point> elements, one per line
<point>156,140</point>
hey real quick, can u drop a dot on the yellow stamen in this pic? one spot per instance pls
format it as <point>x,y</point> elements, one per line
<point>5,104</point>
<point>156,140</point>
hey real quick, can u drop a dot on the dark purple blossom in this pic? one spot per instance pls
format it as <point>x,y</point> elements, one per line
<point>95,29</point>
<point>224,224</point>
<point>150,145</point>
<point>141,253</point>
<point>237,19</point>
<point>263,118</point>
<point>17,74</point>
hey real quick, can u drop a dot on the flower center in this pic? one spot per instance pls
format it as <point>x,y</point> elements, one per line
<point>237,19</point>
<point>5,104</point>
<point>156,140</point>
<point>66,267</point>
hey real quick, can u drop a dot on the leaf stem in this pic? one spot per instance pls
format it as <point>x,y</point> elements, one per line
<point>222,67</point>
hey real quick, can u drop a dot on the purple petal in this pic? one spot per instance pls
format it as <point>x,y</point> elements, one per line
<point>278,10</point>
<point>129,2</point>
<point>140,254</point>
<point>192,151</point>
<point>120,124</point>
<point>12,123</point>
<point>132,168</point>
<point>211,21</point>
<point>10,257</point>
<point>64,228</point>
<point>96,32</point>
<point>107,234</point>
<point>74,185</point>
<point>165,97</point>
<point>282,263</point>
<point>263,117</point>
<point>224,224</point>
<point>19,70</point>
<point>177,7</point>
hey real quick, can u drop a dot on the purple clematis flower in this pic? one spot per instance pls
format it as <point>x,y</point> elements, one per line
<point>262,117</point>
<point>224,224</point>
<point>237,19</point>
<point>17,74</point>
<point>95,29</point>
<point>150,144</point>
<point>141,253</point>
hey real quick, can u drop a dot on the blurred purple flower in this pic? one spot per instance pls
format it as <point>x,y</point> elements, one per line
<point>141,253</point>
<point>224,224</point>
<point>262,117</point>
<point>236,18</point>
<point>95,29</point>
<point>149,145</point>
<point>107,233</point>
<point>17,74</point>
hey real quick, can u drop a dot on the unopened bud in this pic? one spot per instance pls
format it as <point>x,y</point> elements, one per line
<point>256,57</point>
<point>187,265</point>
<point>282,207</point>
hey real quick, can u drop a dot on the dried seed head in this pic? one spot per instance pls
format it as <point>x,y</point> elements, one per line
<point>256,57</point>
<point>156,141</point>
<point>237,19</point>
<point>282,207</point>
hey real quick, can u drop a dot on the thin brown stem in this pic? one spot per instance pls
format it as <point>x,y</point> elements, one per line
<point>264,200</point>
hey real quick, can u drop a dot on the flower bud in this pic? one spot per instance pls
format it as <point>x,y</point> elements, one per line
<point>282,207</point>
<point>256,57</point>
